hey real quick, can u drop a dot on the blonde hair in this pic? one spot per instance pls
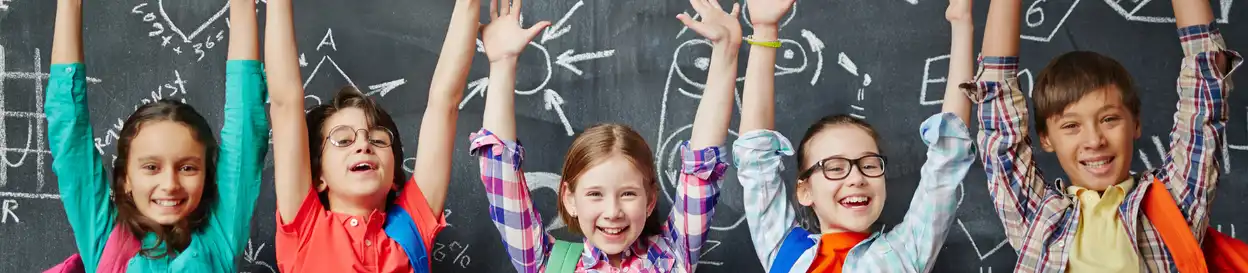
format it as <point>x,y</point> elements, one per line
<point>597,144</point>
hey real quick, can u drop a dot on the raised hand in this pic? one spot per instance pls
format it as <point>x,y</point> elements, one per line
<point>959,11</point>
<point>768,12</point>
<point>504,38</point>
<point>718,26</point>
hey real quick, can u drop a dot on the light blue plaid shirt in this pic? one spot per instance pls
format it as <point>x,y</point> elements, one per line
<point>910,247</point>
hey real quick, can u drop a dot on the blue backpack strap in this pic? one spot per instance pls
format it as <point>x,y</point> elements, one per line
<point>564,256</point>
<point>402,229</point>
<point>795,243</point>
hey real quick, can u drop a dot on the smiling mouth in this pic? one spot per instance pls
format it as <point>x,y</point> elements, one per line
<point>1098,165</point>
<point>168,203</point>
<point>613,231</point>
<point>363,167</point>
<point>855,202</point>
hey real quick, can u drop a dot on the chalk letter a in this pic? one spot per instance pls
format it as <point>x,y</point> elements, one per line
<point>328,40</point>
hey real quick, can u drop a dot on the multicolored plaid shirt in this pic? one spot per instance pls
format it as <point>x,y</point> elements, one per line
<point>1041,219</point>
<point>910,247</point>
<point>528,244</point>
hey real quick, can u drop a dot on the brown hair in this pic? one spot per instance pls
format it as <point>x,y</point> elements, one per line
<point>809,220</point>
<point>1069,77</point>
<point>177,236</point>
<point>598,143</point>
<point>349,97</point>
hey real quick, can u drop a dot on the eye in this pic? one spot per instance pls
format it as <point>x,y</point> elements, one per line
<point>1110,119</point>
<point>835,169</point>
<point>629,194</point>
<point>379,142</point>
<point>1069,125</point>
<point>593,194</point>
<point>188,168</point>
<point>150,167</point>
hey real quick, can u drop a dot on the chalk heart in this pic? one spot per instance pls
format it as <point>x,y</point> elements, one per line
<point>191,5</point>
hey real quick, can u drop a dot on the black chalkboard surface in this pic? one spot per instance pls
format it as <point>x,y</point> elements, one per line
<point>603,61</point>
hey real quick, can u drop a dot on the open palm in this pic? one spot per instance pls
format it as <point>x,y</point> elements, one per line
<point>504,38</point>
<point>716,25</point>
<point>768,12</point>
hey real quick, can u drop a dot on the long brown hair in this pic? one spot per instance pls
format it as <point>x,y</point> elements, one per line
<point>808,219</point>
<point>175,237</point>
<point>349,97</point>
<point>597,144</point>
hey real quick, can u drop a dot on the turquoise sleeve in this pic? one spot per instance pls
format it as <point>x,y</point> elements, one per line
<point>78,167</point>
<point>244,143</point>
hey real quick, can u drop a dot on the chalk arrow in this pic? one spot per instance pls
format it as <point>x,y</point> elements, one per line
<point>385,88</point>
<point>477,87</point>
<point>567,59</point>
<point>816,46</point>
<point>559,29</point>
<point>555,102</point>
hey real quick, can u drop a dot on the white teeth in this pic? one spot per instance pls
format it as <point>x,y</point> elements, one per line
<point>612,231</point>
<point>854,199</point>
<point>1096,164</point>
<point>167,203</point>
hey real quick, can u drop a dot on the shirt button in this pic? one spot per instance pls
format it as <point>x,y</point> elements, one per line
<point>69,69</point>
<point>368,243</point>
<point>355,222</point>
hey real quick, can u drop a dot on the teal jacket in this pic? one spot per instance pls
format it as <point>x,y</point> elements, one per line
<point>84,185</point>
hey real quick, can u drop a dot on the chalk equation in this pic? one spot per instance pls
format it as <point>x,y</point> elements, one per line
<point>1042,19</point>
<point>455,251</point>
<point>164,28</point>
<point>568,59</point>
<point>173,89</point>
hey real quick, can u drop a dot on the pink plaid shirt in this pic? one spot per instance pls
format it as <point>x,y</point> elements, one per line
<point>528,244</point>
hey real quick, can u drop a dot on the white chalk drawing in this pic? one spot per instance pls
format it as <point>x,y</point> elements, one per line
<point>1130,10</point>
<point>328,39</point>
<point>1229,231</point>
<point>984,253</point>
<point>1228,147</point>
<point>4,5</point>
<point>173,89</point>
<point>546,181</point>
<point>552,101</point>
<point>380,89</point>
<point>7,210</point>
<point>35,127</point>
<point>163,27</point>
<point>251,256</point>
<point>938,90</point>
<point>1040,15</point>
<point>458,252</point>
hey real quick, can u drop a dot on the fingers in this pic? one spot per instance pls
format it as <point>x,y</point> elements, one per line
<point>698,6</point>
<point>688,21</point>
<point>494,9</point>
<point>736,10</point>
<point>537,29</point>
<point>715,4</point>
<point>515,7</point>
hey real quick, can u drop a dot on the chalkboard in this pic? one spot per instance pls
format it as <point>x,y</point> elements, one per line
<point>603,61</point>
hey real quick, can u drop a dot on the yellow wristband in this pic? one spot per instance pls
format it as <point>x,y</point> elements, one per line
<point>771,44</point>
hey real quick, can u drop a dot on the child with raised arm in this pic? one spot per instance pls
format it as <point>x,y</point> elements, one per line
<point>1088,114</point>
<point>174,202</point>
<point>343,202</point>
<point>609,187</point>
<point>842,172</point>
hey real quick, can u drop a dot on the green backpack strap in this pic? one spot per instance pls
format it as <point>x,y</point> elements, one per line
<point>564,256</point>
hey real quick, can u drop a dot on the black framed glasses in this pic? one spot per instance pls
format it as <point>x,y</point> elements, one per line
<point>343,136</point>
<point>837,168</point>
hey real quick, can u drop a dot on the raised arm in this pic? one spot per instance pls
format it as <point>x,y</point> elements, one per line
<point>244,137</point>
<point>921,234</point>
<point>500,156</point>
<point>759,152</point>
<point>437,126</point>
<point>1015,184</point>
<point>292,178</point>
<point>79,170</point>
<point>1204,83</point>
<point>504,39</point>
<point>961,58</point>
<point>702,169</point>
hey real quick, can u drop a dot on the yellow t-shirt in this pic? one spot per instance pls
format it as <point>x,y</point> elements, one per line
<point>1101,241</point>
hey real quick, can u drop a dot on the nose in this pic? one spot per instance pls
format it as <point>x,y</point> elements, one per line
<point>1093,138</point>
<point>855,178</point>
<point>612,210</point>
<point>362,144</point>
<point>169,182</point>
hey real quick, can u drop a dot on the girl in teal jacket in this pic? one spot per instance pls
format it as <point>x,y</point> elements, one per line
<point>175,202</point>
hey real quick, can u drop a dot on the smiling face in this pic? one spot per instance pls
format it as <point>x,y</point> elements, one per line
<point>353,168</point>
<point>611,202</point>
<point>1093,138</point>
<point>165,171</point>
<point>852,203</point>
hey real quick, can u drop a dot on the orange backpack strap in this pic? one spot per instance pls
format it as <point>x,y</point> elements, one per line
<point>1161,210</point>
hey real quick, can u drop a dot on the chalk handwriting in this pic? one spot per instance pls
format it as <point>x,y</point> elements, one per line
<point>328,40</point>
<point>9,207</point>
<point>938,90</point>
<point>1040,26</point>
<point>174,89</point>
<point>442,251</point>
<point>162,26</point>
<point>1130,10</point>
<point>4,5</point>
